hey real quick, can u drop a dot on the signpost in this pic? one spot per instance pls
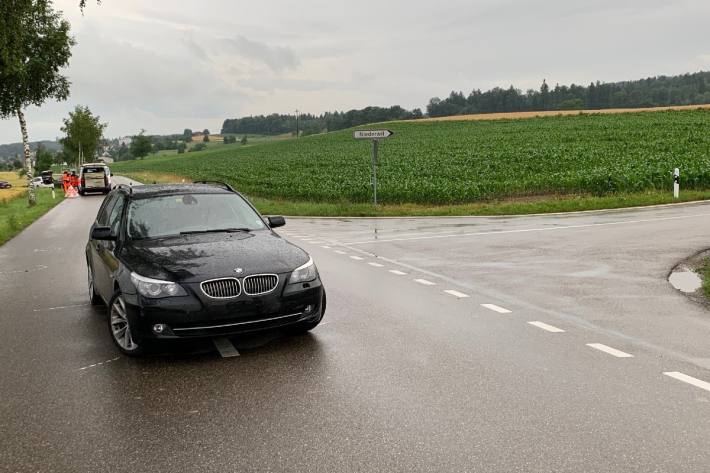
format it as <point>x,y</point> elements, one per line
<point>375,136</point>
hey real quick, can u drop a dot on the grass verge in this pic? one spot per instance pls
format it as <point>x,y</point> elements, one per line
<point>517,206</point>
<point>16,214</point>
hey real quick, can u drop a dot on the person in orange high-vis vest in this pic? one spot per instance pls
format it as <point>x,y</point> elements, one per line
<point>74,181</point>
<point>66,181</point>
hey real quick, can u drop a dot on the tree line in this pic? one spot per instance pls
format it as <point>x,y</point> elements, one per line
<point>686,89</point>
<point>308,124</point>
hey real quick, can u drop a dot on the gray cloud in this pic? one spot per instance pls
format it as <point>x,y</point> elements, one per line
<point>151,65</point>
<point>278,58</point>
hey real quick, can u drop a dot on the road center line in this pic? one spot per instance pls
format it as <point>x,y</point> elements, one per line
<point>398,273</point>
<point>458,294</point>
<point>495,308</point>
<point>546,327</point>
<point>325,247</point>
<point>689,379</point>
<point>609,350</point>
<point>527,230</point>
<point>425,282</point>
<point>225,347</point>
<point>357,258</point>
<point>377,265</point>
<point>340,252</point>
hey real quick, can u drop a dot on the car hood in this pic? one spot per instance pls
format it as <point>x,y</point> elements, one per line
<point>196,258</point>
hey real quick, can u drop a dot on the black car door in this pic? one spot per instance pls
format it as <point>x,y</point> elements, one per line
<point>107,249</point>
<point>99,249</point>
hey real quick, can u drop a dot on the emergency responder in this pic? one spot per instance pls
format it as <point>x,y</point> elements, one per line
<point>66,181</point>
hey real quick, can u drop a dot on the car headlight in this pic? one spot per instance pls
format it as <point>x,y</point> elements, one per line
<point>155,288</point>
<point>305,273</point>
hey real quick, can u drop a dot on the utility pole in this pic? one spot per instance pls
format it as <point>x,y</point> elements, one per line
<point>297,132</point>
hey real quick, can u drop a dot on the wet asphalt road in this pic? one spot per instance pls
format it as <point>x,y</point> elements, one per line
<point>401,375</point>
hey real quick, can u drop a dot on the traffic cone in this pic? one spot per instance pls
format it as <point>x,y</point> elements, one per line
<point>71,192</point>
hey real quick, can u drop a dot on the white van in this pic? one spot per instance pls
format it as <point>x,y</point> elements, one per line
<point>94,177</point>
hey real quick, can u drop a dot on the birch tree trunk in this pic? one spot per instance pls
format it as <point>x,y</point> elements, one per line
<point>31,196</point>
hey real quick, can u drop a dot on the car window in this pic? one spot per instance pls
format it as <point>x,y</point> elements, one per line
<point>114,219</point>
<point>104,212</point>
<point>93,170</point>
<point>172,215</point>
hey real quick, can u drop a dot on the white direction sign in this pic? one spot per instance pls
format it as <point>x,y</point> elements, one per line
<point>372,134</point>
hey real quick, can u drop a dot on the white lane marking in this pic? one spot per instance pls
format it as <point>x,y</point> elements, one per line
<point>698,383</point>
<point>527,230</point>
<point>99,364</point>
<point>225,347</point>
<point>609,350</point>
<point>547,327</point>
<point>377,265</point>
<point>495,308</point>
<point>458,294</point>
<point>325,247</point>
<point>425,282</point>
<point>61,307</point>
<point>398,273</point>
<point>340,252</point>
<point>357,258</point>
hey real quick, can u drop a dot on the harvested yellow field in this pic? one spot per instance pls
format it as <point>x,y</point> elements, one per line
<point>555,113</point>
<point>19,186</point>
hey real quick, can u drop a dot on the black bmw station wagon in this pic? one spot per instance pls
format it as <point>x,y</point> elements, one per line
<point>196,260</point>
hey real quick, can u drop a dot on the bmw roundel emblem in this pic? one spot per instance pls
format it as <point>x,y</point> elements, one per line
<point>238,270</point>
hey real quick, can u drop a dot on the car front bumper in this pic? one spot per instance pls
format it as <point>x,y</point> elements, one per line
<point>192,317</point>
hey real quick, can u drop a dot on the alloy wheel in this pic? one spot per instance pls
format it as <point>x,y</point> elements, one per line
<point>120,326</point>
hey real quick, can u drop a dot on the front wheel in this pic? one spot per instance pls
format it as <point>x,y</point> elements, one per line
<point>119,325</point>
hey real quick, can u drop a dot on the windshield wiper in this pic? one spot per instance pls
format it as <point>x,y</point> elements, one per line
<point>217,230</point>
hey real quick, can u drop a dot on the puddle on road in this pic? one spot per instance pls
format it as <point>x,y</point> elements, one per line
<point>685,281</point>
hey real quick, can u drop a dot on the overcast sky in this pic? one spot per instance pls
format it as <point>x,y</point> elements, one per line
<point>169,65</point>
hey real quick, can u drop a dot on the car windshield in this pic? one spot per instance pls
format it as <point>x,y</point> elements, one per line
<point>190,213</point>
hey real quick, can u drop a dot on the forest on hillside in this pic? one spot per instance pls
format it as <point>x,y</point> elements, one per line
<point>685,89</point>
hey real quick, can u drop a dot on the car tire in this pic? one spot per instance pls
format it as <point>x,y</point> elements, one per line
<point>119,327</point>
<point>93,296</point>
<point>304,327</point>
<point>82,193</point>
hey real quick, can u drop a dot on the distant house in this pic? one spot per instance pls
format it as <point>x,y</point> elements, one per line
<point>106,159</point>
<point>126,140</point>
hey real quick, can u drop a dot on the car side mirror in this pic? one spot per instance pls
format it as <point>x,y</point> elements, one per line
<point>102,233</point>
<point>277,221</point>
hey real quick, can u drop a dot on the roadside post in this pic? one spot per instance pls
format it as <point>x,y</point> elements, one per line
<point>676,183</point>
<point>375,136</point>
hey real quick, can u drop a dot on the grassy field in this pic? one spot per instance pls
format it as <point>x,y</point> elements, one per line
<point>455,162</point>
<point>16,214</point>
<point>19,186</point>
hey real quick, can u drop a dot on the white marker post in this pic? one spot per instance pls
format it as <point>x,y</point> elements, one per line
<point>375,136</point>
<point>676,183</point>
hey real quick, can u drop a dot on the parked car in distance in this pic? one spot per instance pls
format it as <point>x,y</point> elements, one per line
<point>5,185</point>
<point>182,261</point>
<point>39,182</point>
<point>47,177</point>
<point>94,177</point>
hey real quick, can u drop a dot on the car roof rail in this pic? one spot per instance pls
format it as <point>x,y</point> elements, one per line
<point>217,183</point>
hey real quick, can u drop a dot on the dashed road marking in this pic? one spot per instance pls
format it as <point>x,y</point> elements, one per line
<point>458,294</point>
<point>376,265</point>
<point>495,308</point>
<point>83,368</point>
<point>325,247</point>
<point>340,252</point>
<point>61,307</point>
<point>225,347</point>
<point>357,258</point>
<point>398,273</point>
<point>546,327</point>
<point>425,282</point>
<point>698,383</point>
<point>609,350</point>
